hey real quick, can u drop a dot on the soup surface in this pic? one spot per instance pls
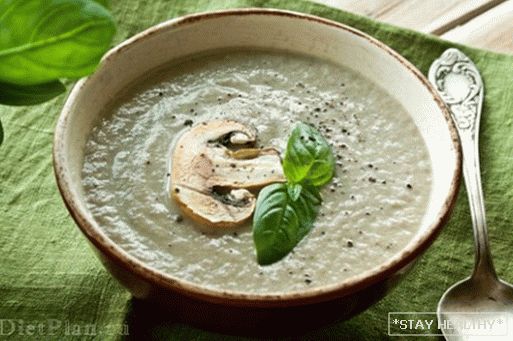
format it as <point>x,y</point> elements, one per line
<point>371,209</point>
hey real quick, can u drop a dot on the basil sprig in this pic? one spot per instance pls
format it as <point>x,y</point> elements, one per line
<point>308,157</point>
<point>44,41</point>
<point>286,212</point>
<point>280,222</point>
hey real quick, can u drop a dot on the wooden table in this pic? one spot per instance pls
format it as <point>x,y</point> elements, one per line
<point>486,24</point>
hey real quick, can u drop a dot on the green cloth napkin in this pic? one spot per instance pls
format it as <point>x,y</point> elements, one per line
<point>50,278</point>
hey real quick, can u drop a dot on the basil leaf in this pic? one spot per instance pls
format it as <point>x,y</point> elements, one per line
<point>44,40</point>
<point>294,191</point>
<point>308,157</point>
<point>104,3</point>
<point>1,133</point>
<point>280,223</point>
<point>11,94</point>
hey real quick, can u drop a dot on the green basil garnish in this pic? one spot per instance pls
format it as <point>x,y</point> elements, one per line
<point>308,157</point>
<point>294,191</point>
<point>285,213</point>
<point>44,40</point>
<point>280,222</point>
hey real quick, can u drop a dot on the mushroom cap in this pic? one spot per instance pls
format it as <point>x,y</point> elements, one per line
<point>213,169</point>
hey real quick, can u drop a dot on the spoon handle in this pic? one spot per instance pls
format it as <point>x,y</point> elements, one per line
<point>459,83</point>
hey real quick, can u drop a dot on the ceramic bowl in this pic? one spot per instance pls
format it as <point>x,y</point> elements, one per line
<point>263,29</point>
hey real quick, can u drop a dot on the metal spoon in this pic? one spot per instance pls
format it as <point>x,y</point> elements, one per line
<point>459,83</point>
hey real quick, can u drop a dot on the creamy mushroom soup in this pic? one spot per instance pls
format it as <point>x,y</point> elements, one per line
<point>371,209</point>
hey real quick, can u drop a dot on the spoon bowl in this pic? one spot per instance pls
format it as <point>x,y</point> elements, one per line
<point>473,295</point>
<point>490,299</point>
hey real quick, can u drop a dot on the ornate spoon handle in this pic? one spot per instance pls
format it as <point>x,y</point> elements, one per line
<point>459,83</point>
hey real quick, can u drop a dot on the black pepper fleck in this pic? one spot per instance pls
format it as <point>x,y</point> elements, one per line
<point>188,123</point>
<point>350,243</point>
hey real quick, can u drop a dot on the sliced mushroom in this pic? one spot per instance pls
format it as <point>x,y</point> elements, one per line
<point>213,169</point>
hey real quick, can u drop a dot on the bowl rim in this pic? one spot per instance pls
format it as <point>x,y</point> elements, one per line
<point>327,292</point>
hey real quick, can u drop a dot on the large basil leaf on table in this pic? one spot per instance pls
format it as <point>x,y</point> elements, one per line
<point>104,3</point>
<point>12,94</point>
<point>280,222</point>
<point>308,157</point>
<point>44,40</point>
